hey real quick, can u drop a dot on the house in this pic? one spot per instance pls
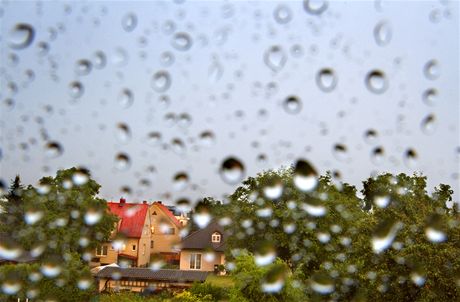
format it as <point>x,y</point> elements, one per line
<point>165,232</point>
<point>145,279</point>
<point>131,239</point>
<point>180,215</point>
<point>203,250</point>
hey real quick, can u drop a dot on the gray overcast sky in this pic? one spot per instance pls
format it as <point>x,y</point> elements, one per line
<point>230,67</point>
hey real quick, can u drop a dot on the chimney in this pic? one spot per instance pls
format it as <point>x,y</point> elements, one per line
<point>144,202</point>
<point>122,202</point>
<point>159,202</point>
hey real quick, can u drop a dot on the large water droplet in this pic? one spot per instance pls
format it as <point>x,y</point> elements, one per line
<point>428,124</point>
<point>322,284</point>
<point>274,280</point>
<point>382,33</point>
<point>282,14</point>
<point>315,7</point>
<point>314,209</point>
<point>122,161</point>
<point>305,176</point>
<point>161,81</point>
<point>50,269</point>
<point>326,79</point>
<point>129,22</point>
<point>273,189</point>
<point>11,287</point>
<point>181,41</point>
<point>432,70</point>
<point>384,235</point>
<point>292,105</point>
<point>265,254</point>
<point>275,58</point>
<point>232,170</point>
<point>53,149</point>
<point>76,89</point>
<point>21,36</point>
<point>376,81</point>
<point>180,181</point>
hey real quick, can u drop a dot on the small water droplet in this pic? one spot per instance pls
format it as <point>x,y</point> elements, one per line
<point>430,96</point>
<point>314,209</point>
<point>340,152</point>
<point>282,14</point>
<point>202,217</point>
<point>384,235</point>
<point>154,138</point>
<point>377,155</point>
<point>435,235</point>
<point>84,283</point>
<point>322,284</point>
<point>274,280</point>
<point>178,146</point>
<point>80,177</point>
<point>305,176</point>
<point>42,48</point>
<point>185,120</point>
<point>417,278</point>
<point>428,124</point>
<point>21,36</point>
<point>9,250</point>
<point>315,7</point>
<point>432,70</point>
<point>161,81</point>
<point>376,81</point>
<point>232,170</point>
<point>123,133</point>
<point>382,201</point>
<point>410,158</point>
<point>370,136</point>
<point>99,60</point>
<point>53,149</point>
<point>265,254</point>
<point>126,98</point>
<point>215,72</point>
<point>122,161</point>
<point>129,22</point>
<point>326,79</point>
<point>32,216</point>
<point>120,57</point>
<point>167,58</point>
<point>92,217</point>
<point>11,287</point>
<point>382,33</point>
<point>273,188</point>
<point>76,89</point>
<point>180,181</point>
<point>275,58</point>
<point>207,138</point>
<point>181,41</point>
<point>292,105</point>
<point>83,67</point>
<point>50,269</point>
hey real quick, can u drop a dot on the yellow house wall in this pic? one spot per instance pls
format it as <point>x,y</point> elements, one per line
<point>219,258</point>
<point>163,242</point>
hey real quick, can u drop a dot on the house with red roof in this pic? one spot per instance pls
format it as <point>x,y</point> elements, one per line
<point>131,239</point>
<point>165,233</point>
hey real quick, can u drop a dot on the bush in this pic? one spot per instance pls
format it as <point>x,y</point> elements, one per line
<point>204,289</point>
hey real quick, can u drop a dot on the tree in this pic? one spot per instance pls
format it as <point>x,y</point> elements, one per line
<point>59,224</point>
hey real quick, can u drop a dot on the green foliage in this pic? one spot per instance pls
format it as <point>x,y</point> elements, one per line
<point>206,289</point>
<point>56,223</point>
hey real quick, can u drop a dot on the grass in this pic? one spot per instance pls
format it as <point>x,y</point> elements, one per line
<point>220,281</point>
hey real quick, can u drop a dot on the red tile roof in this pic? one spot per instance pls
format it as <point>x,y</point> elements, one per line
<point>132,217</point>
<point>168,213</point>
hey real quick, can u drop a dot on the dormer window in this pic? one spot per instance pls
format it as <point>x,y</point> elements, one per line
<point>215,237</point>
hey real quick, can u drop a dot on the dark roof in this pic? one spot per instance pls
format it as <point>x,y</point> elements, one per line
<point>149,274</point>
<point>201,239</point>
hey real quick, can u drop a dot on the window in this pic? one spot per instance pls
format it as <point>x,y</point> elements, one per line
<point>195,261</point>
<point>143,249</point>
<point>152,229</point>
<point>151,244</point>
<point>215,237</point>
<point>134,247</point>
<point>101,250</point>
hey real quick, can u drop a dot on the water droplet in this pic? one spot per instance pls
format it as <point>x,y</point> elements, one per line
<point>382,33</point>
<point>129,22</point>
<point>314,209</point>
<point>215,72</point>
<point>370,136</point>
<point>21,36</point>
<point>265,212</point>
<point>432,70</point>
<point>273,189</point>
<point>273,281</point>
<point>232,170</point>
<point>428,124</point>
<point>207,138</point>
<point>84,283</point>
<point>123,133</point>
<point>265,254</point>
<point>315,7</point>
<point>11,287</point>
<point>76,89</point>
<point>126,98</point>
<point>122,161</point>
<point>305,176</point>
<point>83,67</point>
<point>32,216</point>
<point>202,218</point>
<point>154,138</point>
<point>275,58</point>
<point>376,81</point>
<point>53,149</point>
<point>80,177</point>
<point>185,120</point>
<point>120,57</point>
<point>296,51</point>
<point>410,158</point>
<point>50,269</point>
<point>377,155</point>
<point>9,250</point>
<point>435,235</point>
<point>322,284</point>
<point>430,96</point>
<point>178,146</point>
<point>180,181</point>
<point>42,48</point>
<point>384,235</point>
<point>326,79</point>
<point>292,105</point>
<point>181,41</point>
<point>167,58</point>
<point>417,278</point>
<point>99,60</point>
<point>169,27</point>
<point>382,201</point>
<point>161,81</point>
<point>282,14</point>
<point>340,152</point>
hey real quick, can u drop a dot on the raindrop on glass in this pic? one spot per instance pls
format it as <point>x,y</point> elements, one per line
<point>432,70</point>
<point>154,138</point>
<point>207,138</point>
<point>384,235</point>
<point>126,98</point>
<point>428,124</point>
<point>129,22</point>
<point>181,41</point>
<point>53,149</point>
<point>232,170</point>
<point>376,81</point>
<point>83,67</point>
<point>322,284</point>
<point>123,133</point>
<point>161,81</point>
<point>282,14</point>
<point>315,7</point>
<point>326,79</point>
<point>382,33</point>
<point>76,89</point>
<point>410,158</point>
<point>305,176</point>
<point>180,181</point>
<point>21,36</point>
<point>122,161</point>
<point>292,105</point>
<point>275,58</point>
<point>430,96</point>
